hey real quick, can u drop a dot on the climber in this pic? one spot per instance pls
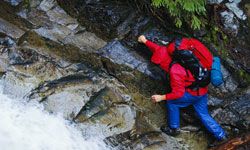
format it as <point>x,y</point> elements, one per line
<point>181,95</point>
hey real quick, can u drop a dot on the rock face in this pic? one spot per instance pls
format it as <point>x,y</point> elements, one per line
<point>236,113</point>
<point>84,62</point>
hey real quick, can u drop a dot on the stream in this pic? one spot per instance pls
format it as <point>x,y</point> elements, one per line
<point>26,126</point>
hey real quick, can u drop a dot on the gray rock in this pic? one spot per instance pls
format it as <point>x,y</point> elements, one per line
<point>119,54</point>
<point>233,5</point>
<point>46,5</point>
<point>7,42</point>
<point>67,102</point>
<point>190,128</point>
<point>34,3</point>
<point>66,95</point>
<point>14,2</point>
<point>23,13</point>
<point>213,101</point>
<point>18,85</point>
<point>58,15</point>
<point>236,113</point>
<point>4,62</point>
<point>230,22</point>
<point>36,17</point>
<point>116,120</point>
<point>57,33</point>
<point>149,140</point>
<point>85,41</point>
<point>10,29</point>
<point>214,1</point>
<point>99,103</point>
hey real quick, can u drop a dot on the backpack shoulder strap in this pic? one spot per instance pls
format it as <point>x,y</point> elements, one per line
<point>171,64</point>
<point>177,42</point>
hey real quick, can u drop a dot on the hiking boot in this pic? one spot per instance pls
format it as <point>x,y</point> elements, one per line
<point>170,131</point>
<point>218,142</point>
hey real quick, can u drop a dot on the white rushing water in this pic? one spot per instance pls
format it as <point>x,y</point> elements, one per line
<point>27,127</point>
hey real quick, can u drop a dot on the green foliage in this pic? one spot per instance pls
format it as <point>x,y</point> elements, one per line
<point>188,11</point>
<point>26,4</point>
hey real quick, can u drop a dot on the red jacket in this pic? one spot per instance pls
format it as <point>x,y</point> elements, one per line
<point>179,79</point>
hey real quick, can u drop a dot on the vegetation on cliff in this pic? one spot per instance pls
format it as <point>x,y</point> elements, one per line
<point>190,12</point>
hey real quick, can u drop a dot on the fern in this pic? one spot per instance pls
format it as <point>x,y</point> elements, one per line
<point>188,11</point>
<point>196,23</point>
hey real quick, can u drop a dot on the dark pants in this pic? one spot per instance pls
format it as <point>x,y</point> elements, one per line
<point>200,105</point>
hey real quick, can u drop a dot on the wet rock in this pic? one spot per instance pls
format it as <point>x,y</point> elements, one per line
<point>127,141</point>
<point>46,5</point>
<point>56,33</point>
<point>230,22</point>
<point>14,2</point>
<point>56,25</point>
<point>7,42</point>
<point>117,119</point>
<point>22,57</point>
<point>213,101</point>
<point>66,95</point>
<point>147,141</point>
<point>99,103</point>
<point>29,68</point>
<point>154,34</point>
<point>110,14</point>
<point>215,1</point>
<point>117,17</point>
<point>190,128</point>
<point>119,54</point>
<point>236,113</point>
<point>36,17</point>
<point>58,15</point>
<point>10,29</point>
<point>233,5</point>
<point>4,62</point>
<point>57,50</point>
<point>8,13</point>
<point>85,41</point>
<point>34,3</point>
<point>18,85</point>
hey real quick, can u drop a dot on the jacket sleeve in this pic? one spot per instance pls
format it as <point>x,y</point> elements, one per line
<point>159,52</point>
<point>152,46</point>
<point>177,82</point>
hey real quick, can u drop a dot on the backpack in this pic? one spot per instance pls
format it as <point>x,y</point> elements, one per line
<point>197,59</point>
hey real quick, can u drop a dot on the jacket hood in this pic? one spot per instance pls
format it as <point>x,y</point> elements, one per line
<point>162,58</point>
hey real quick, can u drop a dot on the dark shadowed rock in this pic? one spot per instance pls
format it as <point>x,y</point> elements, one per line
<point>119,54</point>
<point>236,113</point>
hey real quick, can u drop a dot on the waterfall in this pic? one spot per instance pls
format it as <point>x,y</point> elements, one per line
<point>26,126</point>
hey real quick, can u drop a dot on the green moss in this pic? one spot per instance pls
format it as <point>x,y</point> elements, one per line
<point>26,4</point>
<point>67,51</point>
<point>8,13</point>
<point>243,75</point>
<point>213,37</point>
